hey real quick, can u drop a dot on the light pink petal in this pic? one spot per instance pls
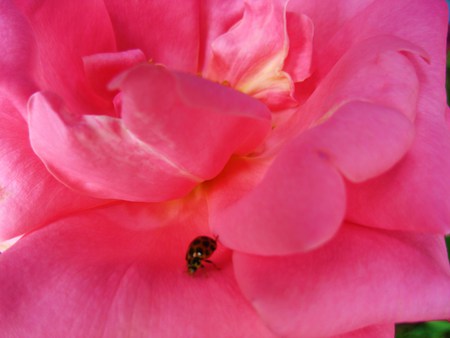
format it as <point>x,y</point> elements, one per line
<point>17,56</point>
<point>101,68</point>
<point>374,331</point>
<point>298,205</point>
<point>362,139</point>
<point>65,31</point>
<point>30,196</point>
<point>362,277</point>
<point>376,70</point>
<point>167,32</point>
<point>250,56</point>
<point>195,123</point>
<point>88,276</point>
<point>300,30</point>
<point>97,155</point>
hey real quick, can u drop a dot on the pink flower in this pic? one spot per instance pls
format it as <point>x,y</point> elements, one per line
<point>311,136</point>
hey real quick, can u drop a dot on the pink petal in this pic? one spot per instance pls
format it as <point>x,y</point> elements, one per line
<point>418,187</point>
<point>97,155</point>
<point>217,17</point>
<point>17,57</point>
<point>362,140</point>
<point>66,31</point>
<point>354,21</point>
<point>298,205</point>
<point>167,32</point>
<point>374,71</point>
<point>195,123</point>
<point>374,331</point>
<point>119,283</point>
<point>301,32</point>
<point>30,196</point>
<point>362,277</point>
<point>329,19</point>
<point>250,56</point>
<point>101,68</point>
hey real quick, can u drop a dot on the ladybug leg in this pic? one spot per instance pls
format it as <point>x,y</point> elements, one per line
<point>211,262</point>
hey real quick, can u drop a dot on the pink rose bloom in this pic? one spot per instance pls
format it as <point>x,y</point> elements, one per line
<point>312,137</point>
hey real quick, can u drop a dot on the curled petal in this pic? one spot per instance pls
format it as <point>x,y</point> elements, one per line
<point>300,30</point>
<point>410,273</point>
<point>101,68</point>
<point>97,155</point>
<point>363,140</point>
<point>417,188</point>
<point>62,42</point>
<point>30,197</point>
<point>150,26</point>
<point>250,56</point>
<point>374,70</point>
<point>298,205</point>
<point>195,123</point>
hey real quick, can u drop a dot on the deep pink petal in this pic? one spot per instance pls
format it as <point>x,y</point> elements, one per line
<point>250,56</point>
<point>195,123</point>
<point>101,68</point>
<point>97,155</point>
<point>30,196</point>
<point>65,31</point>
<point>167,32</point>
<point>119,283</point>
<point>17,56</point>
<point>360,278</point>
<point>298,205</point>
<point>362,140</point>
<point>374,331</point>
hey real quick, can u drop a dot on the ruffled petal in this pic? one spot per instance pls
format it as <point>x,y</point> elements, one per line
<point>195,123</point>
<point>362,277</point>
<point>298,205</point>
<point>250,56</point>
<point>167,32</point>
<point>119,283</point>
<point>61,43</point>
<point>30,196</point>
<point>97,155</point>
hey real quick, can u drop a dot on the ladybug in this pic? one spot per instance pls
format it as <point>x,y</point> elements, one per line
<point>199,250</point>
